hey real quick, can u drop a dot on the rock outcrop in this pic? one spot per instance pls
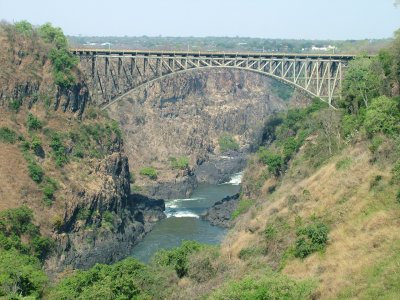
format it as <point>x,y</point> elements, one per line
<point>102,224</point>
<point>220,213</point>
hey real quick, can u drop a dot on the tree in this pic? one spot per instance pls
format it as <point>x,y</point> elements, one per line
<point>53,35</point>
<point>363,81</point>
<point>395,72</point>
<point>24,27</point>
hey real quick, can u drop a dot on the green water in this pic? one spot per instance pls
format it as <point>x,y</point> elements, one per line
<point>183,222</point>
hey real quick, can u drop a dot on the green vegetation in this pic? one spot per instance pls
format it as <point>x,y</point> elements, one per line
<point>59,152</point>
<point>243,206</point>
<point>15,105</point>
<point>24,27</point>
<point>127,279</point>
<point>83,214</point>
<point>49,187</point>
<point>287,133</point>
<point>35,171</point>
<point>310,239</point>
<point>382,116</point>
<point>63,61</point>
<point>149,172</point>
<point>36,144</point>
<point>273,160</point>
<point>234,44</point>
<point>21,275</point>
<point>180,163</point>
<point>7,135</point>
<point>250,252</point>
<point>270,286</point>
<point>94,140</point>
<point>343,164</point>
<point>108,219</point>
<point>33,123</point>
<point>177,258</point>
<point>227,143</point>
<point>20,259</point>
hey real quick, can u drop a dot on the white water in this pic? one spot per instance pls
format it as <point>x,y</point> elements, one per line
<point>236,179</point>
<point>182,214</point>
<point>186,207</point>
<point>183,222</point>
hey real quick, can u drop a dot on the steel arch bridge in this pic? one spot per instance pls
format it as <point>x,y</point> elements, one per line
<point>111,74</point>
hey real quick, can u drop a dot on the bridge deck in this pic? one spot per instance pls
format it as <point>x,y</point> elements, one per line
<point>117,52</point>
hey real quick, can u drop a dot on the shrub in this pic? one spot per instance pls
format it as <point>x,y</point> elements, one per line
<point>274,161</point>
<point>270,232</point>
<point>149,172</point>
<point>398,197</point>
<point>36,146</point>
<point>63,62</point>
<point>108,217</point>
<point>15,221</point>
<point>15,105</point>
<point>311,238</point>
<point>242,207</point>
<point>35,172</point>
<point>204,264</point>
<point>376,141</point>
<point>7,135</point>
<point>50,186</point>
<point>83,214</point>
<point>383,116</point>
<point>180,163</point>
<point>42,247</point>
<point>290,147</point>
<point>59,152</point>
<point>177,258</point>
<point>227,142</point>
<point>127,279</point>
<point>33,123</point>
<point>396,172</point>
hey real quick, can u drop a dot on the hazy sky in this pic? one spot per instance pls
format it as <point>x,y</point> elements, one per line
<point>300,19</point>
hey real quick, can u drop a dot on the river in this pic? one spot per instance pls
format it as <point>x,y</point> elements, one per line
<point>183,221</point>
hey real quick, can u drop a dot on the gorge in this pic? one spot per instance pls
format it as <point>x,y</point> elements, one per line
<point>208,184</point>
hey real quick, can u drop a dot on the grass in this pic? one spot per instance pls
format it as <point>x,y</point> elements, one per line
<point>343,164</point>
<point>149,172</point>
<point>180,163</point>
<point>379,281</point>
<point>242,207</point>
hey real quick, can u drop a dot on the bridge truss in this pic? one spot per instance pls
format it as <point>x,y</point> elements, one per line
<point>113,73</point>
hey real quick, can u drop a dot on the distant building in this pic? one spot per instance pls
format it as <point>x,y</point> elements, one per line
<point>325,48</point>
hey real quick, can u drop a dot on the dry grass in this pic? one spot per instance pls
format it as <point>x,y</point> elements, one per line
<point>364,221</point>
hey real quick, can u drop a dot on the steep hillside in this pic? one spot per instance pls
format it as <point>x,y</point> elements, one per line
<point>62,158</point>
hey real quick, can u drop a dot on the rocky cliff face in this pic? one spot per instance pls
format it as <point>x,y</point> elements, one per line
<point>101,224</point>
<point>186,114</point>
